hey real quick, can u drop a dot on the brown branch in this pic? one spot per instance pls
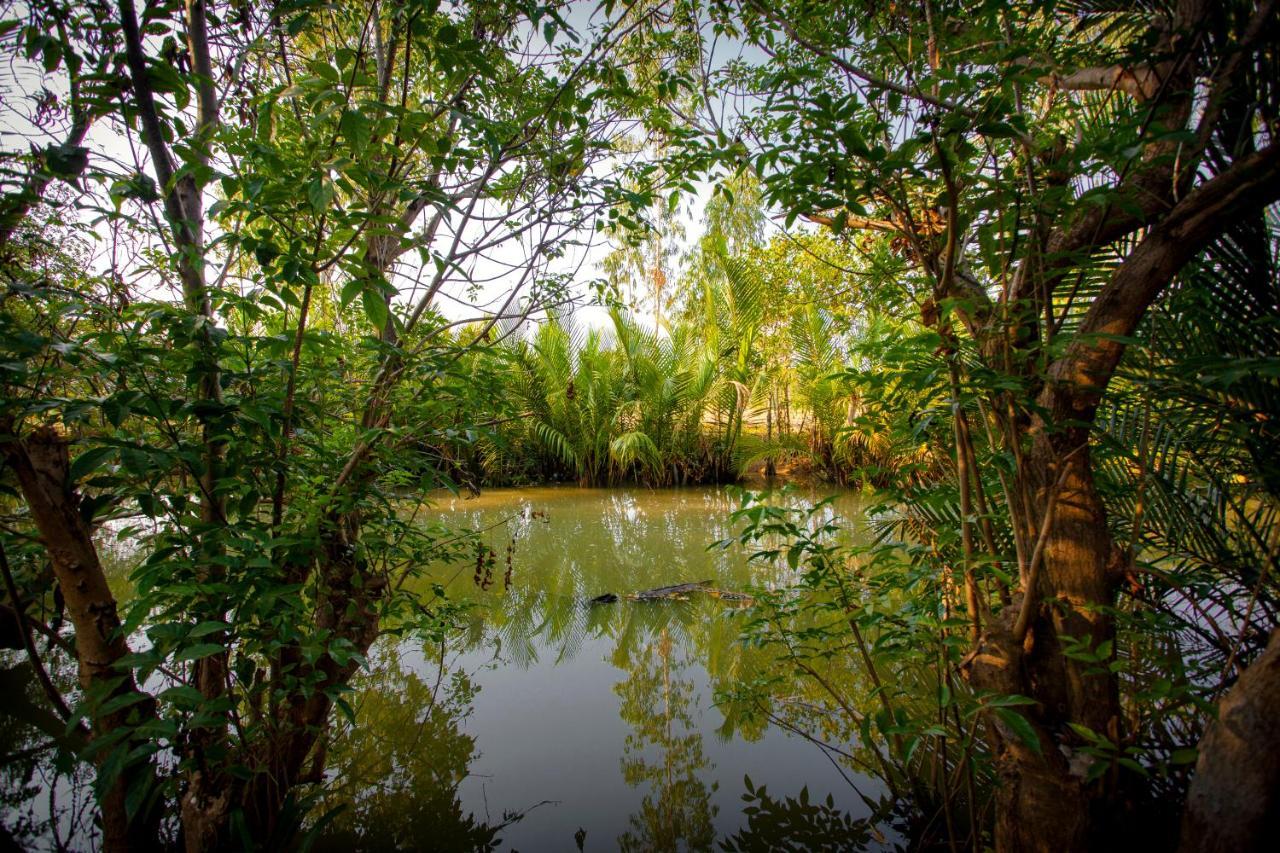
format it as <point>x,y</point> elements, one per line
<point>1249,185</point>
<point>1032,574</point>
<point>859,72</point>
<point>42,675</point>
<point>961,283</point>
<point>149,118</point>
<point>860,223</point>
<point>1142,82</point>
<point>1163,173</point>
<point>42,465</point>
<point>202,66</point>
<point>286,428</point>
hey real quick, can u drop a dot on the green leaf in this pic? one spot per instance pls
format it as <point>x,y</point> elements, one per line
<point>998,130</point>
<point>1011,700</point>
<point>89,461</point>
<point>319,194</point>
<point>198,651</point>
<point>351,290</point>
<point>375,308</point>
<point>1134,766</point>
<point>1021,727</point>
<point>183,695</point>
<point>52,56</point>
<point>121,702</point>
<point>298,23</point>
<point>356,128</point>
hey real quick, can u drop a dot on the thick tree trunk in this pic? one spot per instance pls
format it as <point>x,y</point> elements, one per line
<point>1043,802</point>
<point>1076,589</point>
<point>1234,801</point>
<point>1039,803</point>
<point>41,462</point>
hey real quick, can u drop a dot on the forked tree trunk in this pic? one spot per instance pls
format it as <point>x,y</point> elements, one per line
<point>1074,592</point>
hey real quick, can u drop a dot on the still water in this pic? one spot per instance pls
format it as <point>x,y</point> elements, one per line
<point>547,723</point>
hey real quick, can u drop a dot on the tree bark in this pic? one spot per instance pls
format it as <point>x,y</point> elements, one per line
<point>42,465</point>
<point>1073,593</point>
<point>204,804</point>
<point>1039,803</point>
<point>1234,801</point>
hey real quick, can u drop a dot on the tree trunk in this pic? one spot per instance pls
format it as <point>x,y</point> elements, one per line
<point>1075,582</point>
<point>1234,801</point>
<point>1039,803</point>
<point>1043,802</point>
<point>42,464</point>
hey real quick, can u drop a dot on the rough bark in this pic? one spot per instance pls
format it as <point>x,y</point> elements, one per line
<point>1043,801</point>
<point>1234,801</point>
<point>1076,579</point>
<point>1039,803</point>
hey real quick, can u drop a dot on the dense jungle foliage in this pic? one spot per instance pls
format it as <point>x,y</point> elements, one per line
<point>273,272</point>
<point>749,374</point>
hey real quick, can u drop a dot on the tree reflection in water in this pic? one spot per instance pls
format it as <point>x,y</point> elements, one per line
<point>797,824</point>
<point>399,771</point>
<point>395,775</point>
<point>676,812</point>
<point>395,778</point>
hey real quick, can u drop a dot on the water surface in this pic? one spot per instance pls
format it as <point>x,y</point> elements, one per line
<point>549,723</point>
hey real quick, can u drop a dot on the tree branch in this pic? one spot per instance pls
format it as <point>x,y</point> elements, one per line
<point>1249,185</point>
<point>1142,82</point>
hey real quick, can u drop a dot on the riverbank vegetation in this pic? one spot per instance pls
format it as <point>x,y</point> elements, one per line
<point>754,370</point>
<point>273,272</point>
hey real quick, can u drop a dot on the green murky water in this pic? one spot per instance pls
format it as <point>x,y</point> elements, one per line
<point>546,723</point>
<point>550,723</point>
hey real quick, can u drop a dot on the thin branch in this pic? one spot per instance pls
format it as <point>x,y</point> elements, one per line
<point>42,675</point>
